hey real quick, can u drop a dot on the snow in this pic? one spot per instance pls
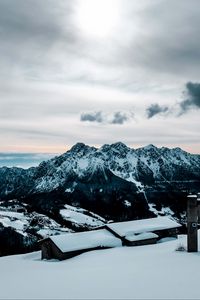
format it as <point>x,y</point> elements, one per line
<point>18,225</point>
<point>144,272</point>
<point>12,214</point>
<point>145,225</point>
<point>20,222</point>
<point>69,190</point>
<point>85,240</point>
<point>127,203</point>
<point>142,236</point>
<point>15,220</point>
<point>83,163</point>
<point>164,211</point>
<point>192,196</point>
<point>139,185</point>
<point>45,232</point>
<point>78,216</point>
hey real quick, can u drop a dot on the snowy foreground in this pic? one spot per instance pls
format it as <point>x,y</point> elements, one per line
<point>152,272</point>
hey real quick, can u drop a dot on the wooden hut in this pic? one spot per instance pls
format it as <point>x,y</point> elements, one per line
<point>143,232</point>
<point>71,244</point>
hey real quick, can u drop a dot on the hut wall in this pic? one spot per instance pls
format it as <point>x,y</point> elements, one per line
<point>141,242</point>
<point>50,250</point>
<point>172,232</point>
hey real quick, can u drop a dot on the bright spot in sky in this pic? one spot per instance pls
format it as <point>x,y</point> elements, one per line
<point>97,18</point>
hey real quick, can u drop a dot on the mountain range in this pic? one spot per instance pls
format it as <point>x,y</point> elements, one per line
<point>115,182</point>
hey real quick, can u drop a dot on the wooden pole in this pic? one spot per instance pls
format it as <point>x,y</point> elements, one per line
<point>198,205</point>
<point>192,224</point>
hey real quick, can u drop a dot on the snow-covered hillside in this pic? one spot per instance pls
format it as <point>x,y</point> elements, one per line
<point>145,272</point>
<point>81,217</point>
<point>22,222</point>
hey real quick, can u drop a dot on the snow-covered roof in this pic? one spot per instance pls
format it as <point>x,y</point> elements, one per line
<point>85,240</point>
<point>128,228</point>
<point>141,236</point>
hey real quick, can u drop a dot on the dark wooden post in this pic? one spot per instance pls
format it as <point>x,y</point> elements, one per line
<point>192,225</point>
<point>198,204</point>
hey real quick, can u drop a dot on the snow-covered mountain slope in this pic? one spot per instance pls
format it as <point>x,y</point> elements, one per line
<point>145,272</point>
<point>17,217</point>
<point>81,217</point>
<point>140,166</point>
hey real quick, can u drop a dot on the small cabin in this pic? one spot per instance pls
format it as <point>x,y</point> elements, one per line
<point>71,244</point>
<point>145,231</point>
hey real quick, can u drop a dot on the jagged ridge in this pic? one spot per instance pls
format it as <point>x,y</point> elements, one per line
<point>143,166</point>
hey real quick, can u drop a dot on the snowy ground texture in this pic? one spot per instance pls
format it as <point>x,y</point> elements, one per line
<point>145,272</point>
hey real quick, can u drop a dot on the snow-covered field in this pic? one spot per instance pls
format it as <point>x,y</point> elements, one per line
<point>145,272</point>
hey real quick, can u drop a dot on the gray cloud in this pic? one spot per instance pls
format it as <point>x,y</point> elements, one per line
<point>119,118</point>
<point>116,118</point>
<point>155,109</point>
<point>193,97</point>
<point>50,44</point>
<point>30,19</point>
<point>93,117</point>
<point>32,33</point>
<point>167,44</point>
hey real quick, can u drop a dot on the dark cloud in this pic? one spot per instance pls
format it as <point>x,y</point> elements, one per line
<point>99,117</point>
<point>193,97</point>
<point>92,117</point>
<point>32,33</point>
<point>192,100</point>
<point>29,19</point>
<point>155,109</point>
<point>119,118</point>
<point>167,44</point>
<point>35,34</point>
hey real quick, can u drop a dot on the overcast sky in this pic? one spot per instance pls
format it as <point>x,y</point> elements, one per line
<point>99,71</point>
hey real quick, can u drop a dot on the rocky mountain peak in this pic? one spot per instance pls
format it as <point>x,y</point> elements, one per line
<point>150,147</point>
<point>117,147</point>
<point>78,147</point>
<point>81,148</point>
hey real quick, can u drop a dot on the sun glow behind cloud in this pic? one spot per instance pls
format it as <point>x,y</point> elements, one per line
<point>108,56</point>
<point>97,18</point>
